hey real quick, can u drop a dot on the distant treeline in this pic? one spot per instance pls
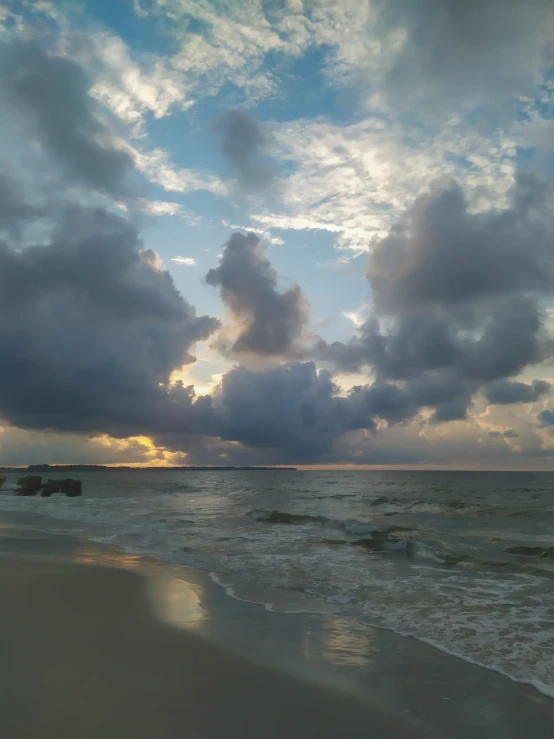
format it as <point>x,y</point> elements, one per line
<point>101,467</point>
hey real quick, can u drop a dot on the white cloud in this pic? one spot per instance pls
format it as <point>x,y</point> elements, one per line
<point>357,318</point>
<point>129,90</point>
<point>157,166</point>
<point>131,85</point>
<point>355,180</point>
<point>262,232</point>
<point>159,207</point>
<point>185,261</point>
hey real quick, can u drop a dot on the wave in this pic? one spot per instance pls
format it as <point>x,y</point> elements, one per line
<point>378,539</point>
<point>413,549</point>
<point>542,552</point>
<point>348,526</point>
<point>439,507</point>
<point>260,514</point>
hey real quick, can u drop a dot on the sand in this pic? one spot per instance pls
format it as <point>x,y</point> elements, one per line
<point>83,656</point>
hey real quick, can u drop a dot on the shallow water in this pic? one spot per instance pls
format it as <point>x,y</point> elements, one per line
<point>463,561</point>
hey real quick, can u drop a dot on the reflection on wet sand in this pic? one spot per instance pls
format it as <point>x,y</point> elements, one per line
<point>177,602</point>
<point>338,642</point>
<point>343,644</point>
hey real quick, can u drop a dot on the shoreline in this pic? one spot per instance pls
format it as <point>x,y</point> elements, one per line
<point>84,655</point>
<point>414,680</point>
<point>315,604</point>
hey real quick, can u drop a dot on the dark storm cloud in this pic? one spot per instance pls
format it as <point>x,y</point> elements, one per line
<point>297,408</point>
<point>91,332</point>
<point>454,51</point>
<point>505,392</point>
<point>14,210</point>
<point>269,321</point>
<point>456,301</point>
<point>546,418</point>
<point>244,145</point>
<point>51,94</point>
<point>451,256</point>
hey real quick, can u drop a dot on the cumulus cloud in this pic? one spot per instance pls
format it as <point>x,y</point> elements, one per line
<point>451,256</point>
<point>244,145</point>
<point>297,408</point>
<point>14,210</point>
<point>506,392</point>
<point>452,51</point>
<point>92,327</point>
<point>51,95</point>
<point>185,261</point>
<point>456,300</point>
<point>546,418</point>
<point>268,321</point>
<point>92,330</point>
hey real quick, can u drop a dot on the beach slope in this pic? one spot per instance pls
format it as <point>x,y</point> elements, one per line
<point>84,656</point>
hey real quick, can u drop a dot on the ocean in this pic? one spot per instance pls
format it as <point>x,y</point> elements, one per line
<point>463,561</point>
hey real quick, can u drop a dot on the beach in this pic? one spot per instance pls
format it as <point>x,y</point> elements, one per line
<point>84,656</point>
<point>95,642</point>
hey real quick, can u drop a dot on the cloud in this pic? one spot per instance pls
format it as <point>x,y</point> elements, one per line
<point>159,207</point>
<point>446,52</point>
<point>130,88</point>
<point>456,300</point>
<point>297,408</point>
<point>14,210</point>
<point>23,447</point>
<point>269,322</point>
<point>52,96</point>
<point>244,145</point>
<point>265,235</point>
<point>92,329</point>
<point>451,52</point>
<point>157,166</point>
<point>354,181</point>
<point>546,418</point>
<point>506,392</point>
<point>450,256</point>
<point>185,261</point>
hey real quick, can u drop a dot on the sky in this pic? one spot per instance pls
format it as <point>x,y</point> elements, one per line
<point>277,232</point>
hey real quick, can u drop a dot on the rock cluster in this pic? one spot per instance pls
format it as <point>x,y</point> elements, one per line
<point>33,485</point>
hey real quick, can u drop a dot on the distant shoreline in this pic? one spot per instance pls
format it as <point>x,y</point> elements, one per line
<point>100,467</point>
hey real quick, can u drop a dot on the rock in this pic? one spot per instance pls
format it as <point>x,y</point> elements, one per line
<point>30,485</point>
<point>48,490</point>
<point>58,484</point>
<point>26,491</point>
<point>74,489</point>
<point>2,480</point>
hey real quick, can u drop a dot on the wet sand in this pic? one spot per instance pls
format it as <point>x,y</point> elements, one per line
<point>83,655</point>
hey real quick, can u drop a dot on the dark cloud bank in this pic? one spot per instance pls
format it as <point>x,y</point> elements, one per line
<point>454,52</point>
<point>91,330</point>
<point>50,96</point>
<point>457,302</point>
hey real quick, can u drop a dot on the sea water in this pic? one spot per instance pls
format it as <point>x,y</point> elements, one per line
<point>463,561</point>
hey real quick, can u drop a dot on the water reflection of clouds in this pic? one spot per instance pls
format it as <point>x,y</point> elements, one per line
<point>340,643</point>
<point>177,602</point>
<point>346,645</point>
